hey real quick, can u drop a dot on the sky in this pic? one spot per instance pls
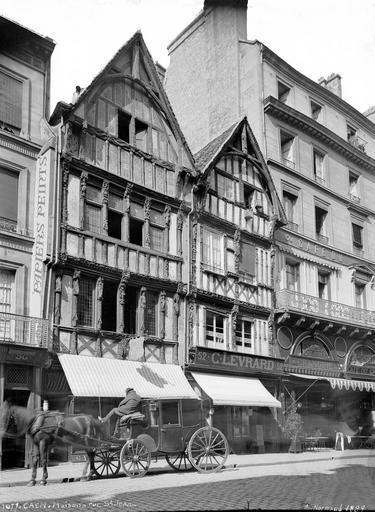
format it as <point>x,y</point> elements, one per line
<point>317,37</point>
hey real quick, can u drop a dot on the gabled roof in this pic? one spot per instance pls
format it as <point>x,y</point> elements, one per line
<point>207,157</point>
<point>137,38</point>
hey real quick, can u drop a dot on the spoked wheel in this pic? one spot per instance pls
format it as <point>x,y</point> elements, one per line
<point>208,450</point>
<point>179,461</point>
<point>106,463</point>
<point>135,458</point>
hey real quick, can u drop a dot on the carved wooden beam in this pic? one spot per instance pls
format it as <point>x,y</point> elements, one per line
<point>283,318</point>
<point>327,327</point>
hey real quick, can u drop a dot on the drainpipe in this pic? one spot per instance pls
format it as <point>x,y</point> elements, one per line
<point>189,275</point>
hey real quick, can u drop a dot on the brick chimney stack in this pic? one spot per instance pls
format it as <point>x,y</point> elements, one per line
<point>332,83</point>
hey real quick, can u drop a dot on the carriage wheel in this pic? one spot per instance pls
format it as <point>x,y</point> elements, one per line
<point>179,461</point>
<point>135,458</point>
<point>106,463</point>
<point>208,449</point>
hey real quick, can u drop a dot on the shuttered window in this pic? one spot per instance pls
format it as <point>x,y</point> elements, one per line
<point>247,259</point>
<point>357,236</point>
<point>8,195</point>
<point>10,101</point>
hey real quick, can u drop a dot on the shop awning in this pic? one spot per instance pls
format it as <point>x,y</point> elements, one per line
<point>354,385</point>
<point>96,376</point>
<point>230,390</point>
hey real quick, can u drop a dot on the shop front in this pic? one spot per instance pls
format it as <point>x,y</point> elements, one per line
<point>21,384</point>
<point>241,391</point>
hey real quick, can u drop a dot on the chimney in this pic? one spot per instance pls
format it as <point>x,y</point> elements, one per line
<point>332,83</point>
<point>234,11</point>
<point>161,71</point>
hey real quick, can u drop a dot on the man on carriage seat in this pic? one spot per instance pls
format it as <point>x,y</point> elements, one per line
<point>128,408</point>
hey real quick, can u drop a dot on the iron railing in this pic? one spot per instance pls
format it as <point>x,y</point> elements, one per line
<point>326,309</point>
<point>24,330</point>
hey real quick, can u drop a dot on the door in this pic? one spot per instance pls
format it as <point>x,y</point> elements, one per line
<point>14,449</point>
<point>171,435</point>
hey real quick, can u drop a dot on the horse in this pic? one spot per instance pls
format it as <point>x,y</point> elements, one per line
<point>45,428</point>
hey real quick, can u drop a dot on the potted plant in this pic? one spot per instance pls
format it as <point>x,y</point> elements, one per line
<point>293,427</point>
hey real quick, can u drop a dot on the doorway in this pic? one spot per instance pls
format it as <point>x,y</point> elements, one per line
<point>14,448</point>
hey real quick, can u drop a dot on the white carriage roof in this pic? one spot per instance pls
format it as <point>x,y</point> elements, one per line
<point>231,390</point>
<point>341,384</point>
<point>95,376</point>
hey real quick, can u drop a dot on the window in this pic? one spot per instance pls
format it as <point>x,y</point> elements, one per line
<point>357,236</point>
<point>287,149</point>
<point>156,227</point>
<point>231,266</point>
<point>86,302</point>
<point>136,221</point>
<point>141,135</point>
<point>320,224</point>
<point>283,92</point>
<point>215,325</point>
<point>351,133</point>
<point>150,320</point>
<point>169,413</point>
<point>292,276</point>
<point>130,308</point>
<point>318,166</point>
<point>124,126</point>
<point>247,258</point>
<point>11,91</point>
<point>109,306</point>
<point>115,216</point>
<point>353,186</point>
<point>248,195</point>
<point>212,249</point>
<point>8,199</point>
<point>360,298</point>
<point>93,209</point>
<point>6,303</point>
<point>323,285</point>
<point>243,335</point>
<point>316,110</point>
<point>290,203</point>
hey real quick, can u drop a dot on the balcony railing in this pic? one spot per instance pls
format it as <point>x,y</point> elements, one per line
<point>357,142</point>
<point>326,309</point>
<point>24,330</point>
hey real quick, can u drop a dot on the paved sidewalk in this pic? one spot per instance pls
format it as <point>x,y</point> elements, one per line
<point>71,472</point>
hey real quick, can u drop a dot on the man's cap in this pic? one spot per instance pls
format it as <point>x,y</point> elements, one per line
<point>128,389</point>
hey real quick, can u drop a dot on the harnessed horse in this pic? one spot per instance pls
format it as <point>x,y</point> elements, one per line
<point>44,428</point>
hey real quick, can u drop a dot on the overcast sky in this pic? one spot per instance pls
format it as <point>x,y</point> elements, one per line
<point>317,37</point>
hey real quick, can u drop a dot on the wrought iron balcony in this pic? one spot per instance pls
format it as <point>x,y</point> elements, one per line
<point>289,300</point>
<point>24,330</point>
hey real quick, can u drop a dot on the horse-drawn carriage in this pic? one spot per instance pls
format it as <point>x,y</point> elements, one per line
<point>172,428</point>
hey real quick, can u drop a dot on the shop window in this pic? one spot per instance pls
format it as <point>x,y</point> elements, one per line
<point>141,130</point>
<point>240,421</point>
<point>243,341</point>
<point>247,259</point>
<point>130,310</point>
<point>86,302</point>
<point>109,306</point>
<point>320,224</point>
<point>124,126</point>
<point>215,329</point>
<point>287,149</point>
<point>169,413</point>
<point>212,244</point>
<point>150,318</point>
<point>8,199</point>
<point>292,276</point>
<point>6,304</point>
<point>93,208</point>
<point>11,91</point>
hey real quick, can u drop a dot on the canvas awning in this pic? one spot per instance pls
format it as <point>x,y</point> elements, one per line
<point>96,376</point>
<point>231,390</point>
<point>354,385</point>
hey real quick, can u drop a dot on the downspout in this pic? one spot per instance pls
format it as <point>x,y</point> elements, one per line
<point>189,277</point>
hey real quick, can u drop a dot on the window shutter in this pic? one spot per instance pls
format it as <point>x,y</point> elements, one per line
<point>8,194</point>
<point>247,260</point>
<point>10,101</point>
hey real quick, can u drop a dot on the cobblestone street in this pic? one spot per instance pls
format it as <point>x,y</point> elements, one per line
<point>341,483</point>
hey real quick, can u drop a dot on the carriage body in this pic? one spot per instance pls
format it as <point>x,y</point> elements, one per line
<point>172,428</point>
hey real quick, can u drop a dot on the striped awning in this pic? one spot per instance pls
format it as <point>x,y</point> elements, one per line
<point>103,377</point>
<point>347,384</point>
<point>299,253</point>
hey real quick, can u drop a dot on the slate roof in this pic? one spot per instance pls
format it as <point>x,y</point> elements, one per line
<point>205,156</point>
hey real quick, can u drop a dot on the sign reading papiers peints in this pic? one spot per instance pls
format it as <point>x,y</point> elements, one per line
<point>41,211</point>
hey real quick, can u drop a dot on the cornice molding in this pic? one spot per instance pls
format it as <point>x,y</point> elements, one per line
<point>279,110</point>
<point>15,143</point>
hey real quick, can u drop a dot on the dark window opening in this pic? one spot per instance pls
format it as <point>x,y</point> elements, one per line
<point>150,313</point>
<point>170,413</point>
<point>248,194</point>
<point>357,236</point>
<point>141,135</point>
<point>109,306</point>
<point>114,224</point>
<point>130,307</point>
<point>315,110</point>
<point>124,126</point>
<point>282,92</point>
<point>136,231</point>
<point>320,216</point>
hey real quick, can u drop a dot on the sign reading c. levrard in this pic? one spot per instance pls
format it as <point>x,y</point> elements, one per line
<point>41,212</point>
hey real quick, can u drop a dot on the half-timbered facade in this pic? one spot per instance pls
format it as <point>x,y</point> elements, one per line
<point>236,210</point>
<point>120,272</point>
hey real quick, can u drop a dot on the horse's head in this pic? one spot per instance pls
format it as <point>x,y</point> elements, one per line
<point>5,418</point>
